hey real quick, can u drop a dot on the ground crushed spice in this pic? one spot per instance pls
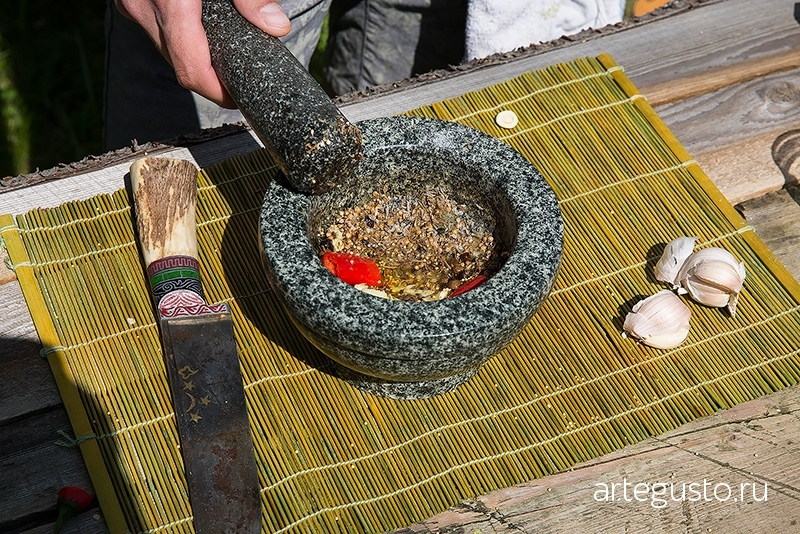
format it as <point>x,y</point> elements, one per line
<point>426,244</point>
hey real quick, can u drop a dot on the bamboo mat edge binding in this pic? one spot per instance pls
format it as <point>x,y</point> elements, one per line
<point>77,413</point>
<point>51,349</point>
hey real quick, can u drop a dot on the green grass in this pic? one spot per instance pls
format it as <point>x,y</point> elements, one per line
<point>15,117</point>
<point>51,82</point>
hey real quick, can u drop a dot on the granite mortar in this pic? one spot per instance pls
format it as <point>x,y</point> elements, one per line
<point>411,350</point>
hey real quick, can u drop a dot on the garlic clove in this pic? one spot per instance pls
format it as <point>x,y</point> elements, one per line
<point>732,302</point>
<point>668,341</point>
<point>712,254</point>
<point>705,294</point>
<point>724,275</point>
<point>372,291</point>
<point>660,321</point>
<point>672,259</point>
<point>713,277</point>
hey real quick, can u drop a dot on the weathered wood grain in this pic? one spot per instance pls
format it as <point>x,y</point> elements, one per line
<point>776,217</point>
<point>754,443</point>
<point>700,84</point>
<point>89,522</point>
<point>734,133</point>
<point>114,177</point>
<point>28,384</point>
<point>34,467</point>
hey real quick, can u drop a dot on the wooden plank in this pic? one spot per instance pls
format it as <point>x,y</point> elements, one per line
<point>700,84</point>
<point>776,218</point>
<point>28,383</point>
<point>114,177</point>
<point>734,133</point>
<point>35,467</point>
<point>754,443</point>
<point>89,522</point>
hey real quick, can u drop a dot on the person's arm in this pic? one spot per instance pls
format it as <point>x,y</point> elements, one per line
<point>177,31</point>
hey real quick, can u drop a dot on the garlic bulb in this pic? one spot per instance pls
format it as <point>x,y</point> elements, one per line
<point>671,261</point>
<point>712,277</point>
<point>660,321</point>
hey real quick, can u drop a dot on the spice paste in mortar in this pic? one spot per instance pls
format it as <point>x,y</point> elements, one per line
<point>426,246</point>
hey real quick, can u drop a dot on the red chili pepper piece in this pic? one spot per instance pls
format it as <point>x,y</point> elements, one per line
<point>353,269</point>
<point>466,286</point>
<point>72,500</point>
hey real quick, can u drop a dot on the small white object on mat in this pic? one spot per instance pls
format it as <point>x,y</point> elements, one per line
<point>506,119</point>
<point>501,26</point>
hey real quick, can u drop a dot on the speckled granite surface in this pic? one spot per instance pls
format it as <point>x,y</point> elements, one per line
<point>315,145</point>
<point>416,349</point>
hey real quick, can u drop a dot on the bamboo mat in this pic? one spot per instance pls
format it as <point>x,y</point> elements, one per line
<point>333,459</point>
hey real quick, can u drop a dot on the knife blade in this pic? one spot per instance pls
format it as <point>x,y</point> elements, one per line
<point>199,352</point>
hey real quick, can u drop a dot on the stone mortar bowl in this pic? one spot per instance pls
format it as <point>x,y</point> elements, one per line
<point>403,349</point>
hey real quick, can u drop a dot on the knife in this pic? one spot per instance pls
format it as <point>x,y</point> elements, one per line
<point>199,352</point>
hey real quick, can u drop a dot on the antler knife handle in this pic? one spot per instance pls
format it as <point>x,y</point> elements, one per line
<point>165,196</point>
<point>312,142</point>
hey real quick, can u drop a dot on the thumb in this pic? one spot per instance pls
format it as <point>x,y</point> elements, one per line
<point>266,15</point>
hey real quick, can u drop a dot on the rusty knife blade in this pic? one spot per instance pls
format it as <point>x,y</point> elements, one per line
<point>216,443</point>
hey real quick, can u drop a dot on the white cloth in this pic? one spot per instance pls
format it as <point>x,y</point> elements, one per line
<point>502,25</point>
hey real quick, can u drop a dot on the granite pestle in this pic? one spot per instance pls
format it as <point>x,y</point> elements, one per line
<point>312,142</point>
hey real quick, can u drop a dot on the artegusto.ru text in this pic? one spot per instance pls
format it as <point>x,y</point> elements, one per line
<point>660,494</point>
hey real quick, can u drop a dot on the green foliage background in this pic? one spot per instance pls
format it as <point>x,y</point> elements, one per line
<point>51,82</point>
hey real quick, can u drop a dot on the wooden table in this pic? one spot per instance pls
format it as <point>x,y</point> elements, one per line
<point>725,77</point>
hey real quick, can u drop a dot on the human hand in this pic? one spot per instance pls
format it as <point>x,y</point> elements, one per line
<point>177,31</point>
